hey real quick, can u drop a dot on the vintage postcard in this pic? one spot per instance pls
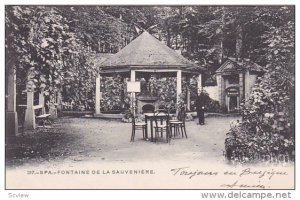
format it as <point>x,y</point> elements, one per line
<point>150,97</point>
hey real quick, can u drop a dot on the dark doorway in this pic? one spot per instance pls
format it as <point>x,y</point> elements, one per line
<point>148,108</point>
<point>233,103</point>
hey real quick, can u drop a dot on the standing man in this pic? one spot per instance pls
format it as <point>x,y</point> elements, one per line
<point>200,103</point>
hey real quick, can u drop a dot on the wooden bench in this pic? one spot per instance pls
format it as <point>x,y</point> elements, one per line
<point>44,118</point>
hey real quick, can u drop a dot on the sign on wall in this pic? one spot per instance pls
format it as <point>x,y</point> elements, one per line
<point>133,86</point>
<point>233,91</point>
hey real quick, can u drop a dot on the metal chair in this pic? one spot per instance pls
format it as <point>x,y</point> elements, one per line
<point>163,126</point>
<point>179,124</point>
<point>137,126</point>
<point>173,123</point>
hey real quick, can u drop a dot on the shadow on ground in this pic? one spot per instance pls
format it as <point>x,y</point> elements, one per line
<point>42,144</point>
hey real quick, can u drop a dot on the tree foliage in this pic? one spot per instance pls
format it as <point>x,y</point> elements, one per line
<point>54,48</point>
<point>40,41</point>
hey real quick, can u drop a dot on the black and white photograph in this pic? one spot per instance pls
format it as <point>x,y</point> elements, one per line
<point>150,97</point>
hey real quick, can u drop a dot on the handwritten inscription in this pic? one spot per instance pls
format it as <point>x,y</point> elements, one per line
<point>185,171</point>
<point>262,173</point>
<point>236,184</point>
<point>237,176</point>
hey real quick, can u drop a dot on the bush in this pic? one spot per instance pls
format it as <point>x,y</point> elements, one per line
<point>243,145</point>
<point>113,95</point>
<point>212,105</point>
<point>266,131</point>
<point>164,88</point>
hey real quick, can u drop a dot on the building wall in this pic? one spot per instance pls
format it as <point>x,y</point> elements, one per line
<point>246,82</point>
<point>212,91</point>
<point>221,88</point>
<point>218,92</point>
<point>250,80</point>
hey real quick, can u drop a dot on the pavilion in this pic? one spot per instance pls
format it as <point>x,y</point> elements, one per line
<point>143,57</point>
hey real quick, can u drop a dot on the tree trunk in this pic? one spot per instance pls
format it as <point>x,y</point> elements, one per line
<point>176,41</point>
<point>221,55</point>
<point>99,46</point>
<point>168,38</point>
<point>239,43</point>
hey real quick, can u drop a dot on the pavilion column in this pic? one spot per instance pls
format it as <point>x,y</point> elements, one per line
<point>11,127</point>
<point>125,79</point>
<point>188,99</point>
<point>178,82</point>
<point>132,75</point>
<point>199,84</point>
<point>98,96</point>
<point>188,95</point>
<point>29,113</point>
<point>132,79</point>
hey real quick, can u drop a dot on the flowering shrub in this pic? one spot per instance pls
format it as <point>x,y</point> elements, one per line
<point>212,105</point>
<point>112,89</point>
<point>266,131</point>
<point>243,145</point>
<point>181,103</point>
<point>192,85</point>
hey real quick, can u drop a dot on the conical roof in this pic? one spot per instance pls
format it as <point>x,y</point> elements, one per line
<point>146,50</point>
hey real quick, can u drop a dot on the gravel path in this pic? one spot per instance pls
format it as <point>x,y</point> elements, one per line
<point>96,140</point>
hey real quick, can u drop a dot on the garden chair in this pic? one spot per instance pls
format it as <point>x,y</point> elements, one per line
<point>178,124</point>
<point>163,126</point>
<point>173,125</point>
<point>137,126</point>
